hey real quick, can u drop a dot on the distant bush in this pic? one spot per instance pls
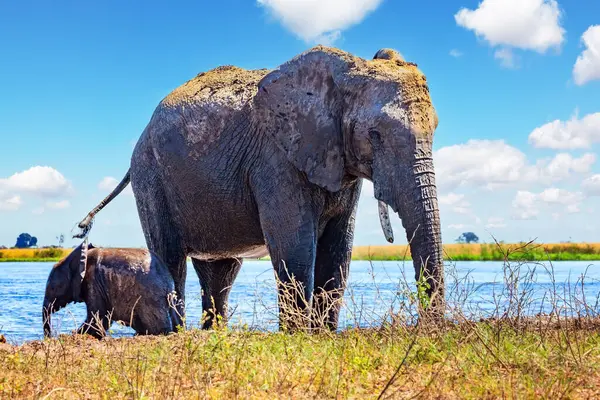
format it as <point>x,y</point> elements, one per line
<point>575,248</point>
<point>48,253</point>
<point>25,240</point>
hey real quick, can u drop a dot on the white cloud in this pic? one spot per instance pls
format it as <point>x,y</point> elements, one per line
<point>457,202</point>
<point>457,226</point>
<point>493,163</point>
<point>524,24</point>
<point>560,196</point>
<point>495,223</point>
<point>450,198</point>
<point>564,165</point>
<point>58,205</point>
<point>478,162</point>
<point>319,20</point>
<point>39,180</point>
<point>591,185</point>
<point>38,211</point>
<point>10,203</point>
<point>456,53</point>
<point>507,57</point>
<point>587,66</point>
<point>108,183</point>
<point>462,209</point>
<point>526,205</point>
<point>573,134</point>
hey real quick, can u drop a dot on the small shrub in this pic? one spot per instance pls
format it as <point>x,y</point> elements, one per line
<point>48,253</point>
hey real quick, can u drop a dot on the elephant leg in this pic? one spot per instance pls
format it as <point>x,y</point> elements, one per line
<point>153,319</point>
<point>289,221</point>
<point>216,279</point>
<point>292,253</point>
<point>163,237</point>
<point>96,324</point>
<point>334,252</point>
<point>152,328</point>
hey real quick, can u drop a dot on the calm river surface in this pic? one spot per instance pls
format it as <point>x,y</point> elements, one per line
<point>477,288</point>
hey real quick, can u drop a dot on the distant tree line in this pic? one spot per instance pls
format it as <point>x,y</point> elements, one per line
<point>26,241</point>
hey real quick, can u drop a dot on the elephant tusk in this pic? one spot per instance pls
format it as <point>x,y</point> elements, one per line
<point>384,218</point>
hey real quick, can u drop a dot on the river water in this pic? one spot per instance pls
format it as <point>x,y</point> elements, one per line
<point>374,289</point>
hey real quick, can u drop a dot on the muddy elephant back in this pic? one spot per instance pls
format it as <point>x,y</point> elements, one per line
<point>227,85</point>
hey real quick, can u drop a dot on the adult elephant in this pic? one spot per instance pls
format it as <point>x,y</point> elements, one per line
<point>237,163</point>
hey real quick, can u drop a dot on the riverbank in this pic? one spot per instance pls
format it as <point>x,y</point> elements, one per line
<point>455,252</point>
<point>33,255</point>
<point>489,252</point>
<point>535,359</point>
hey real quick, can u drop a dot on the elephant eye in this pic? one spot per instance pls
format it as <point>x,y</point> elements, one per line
<point>403,141</point>
<point>374,135</point>
<point>375,138</point>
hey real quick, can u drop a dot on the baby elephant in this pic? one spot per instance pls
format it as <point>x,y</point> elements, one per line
<point>129,285</point>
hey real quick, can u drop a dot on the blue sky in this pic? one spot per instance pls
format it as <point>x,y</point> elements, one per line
<point>516,84</point>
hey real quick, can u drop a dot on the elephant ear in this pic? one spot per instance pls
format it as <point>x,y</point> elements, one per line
<point>78,267</point>
<point>300,107</point>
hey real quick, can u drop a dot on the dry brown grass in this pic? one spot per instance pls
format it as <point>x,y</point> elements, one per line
<point>32,254</point>
<point>554,251</point>
<point>483,360</point>
<point>485,251</point>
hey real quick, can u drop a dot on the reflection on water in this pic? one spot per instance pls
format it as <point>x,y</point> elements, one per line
<point>373,289</point>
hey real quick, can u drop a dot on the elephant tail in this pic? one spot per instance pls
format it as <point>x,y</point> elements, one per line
<point>86,224</point>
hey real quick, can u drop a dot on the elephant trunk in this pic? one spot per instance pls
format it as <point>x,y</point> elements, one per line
<point>421,219</point>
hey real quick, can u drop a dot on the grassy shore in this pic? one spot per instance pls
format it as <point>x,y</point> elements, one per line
<point>456,252</point>
<point>33,255</point>
<point>489,252</point>
<point>502,359</point>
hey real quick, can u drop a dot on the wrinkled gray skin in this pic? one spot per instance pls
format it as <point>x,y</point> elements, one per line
<point>239,163</point>
<point>129,285</point>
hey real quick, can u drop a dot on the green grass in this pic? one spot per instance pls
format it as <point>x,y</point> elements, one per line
<point>32,259</point>
<point>33,255</point>
<point>454,252</point>
<point>483,360</point>
<point>489,252</point>
<point>533,256</point>
<point>563,256</point>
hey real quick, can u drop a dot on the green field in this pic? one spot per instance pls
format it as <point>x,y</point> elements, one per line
<point>455,252</point>
<point>32,255</point>
<point>468,360</point>
<point>490,252</point>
